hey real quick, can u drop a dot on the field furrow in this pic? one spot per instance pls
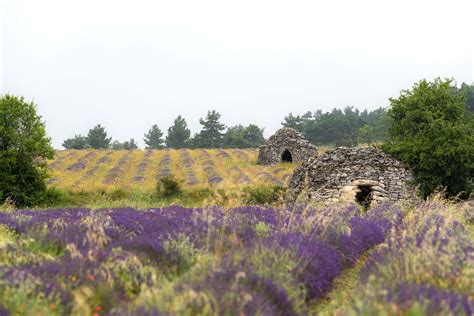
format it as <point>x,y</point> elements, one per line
<point>188,165</point>
<point>89,170</point>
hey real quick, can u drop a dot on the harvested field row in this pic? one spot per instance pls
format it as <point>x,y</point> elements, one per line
<point>110,169</point>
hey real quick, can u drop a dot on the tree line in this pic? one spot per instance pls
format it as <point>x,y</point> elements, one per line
<point>347,127</point>
<point>213,134</point>
<point>350,127</point>
<point>339,127</point>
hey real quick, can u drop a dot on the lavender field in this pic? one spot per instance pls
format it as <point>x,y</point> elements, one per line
<point>241,261</point>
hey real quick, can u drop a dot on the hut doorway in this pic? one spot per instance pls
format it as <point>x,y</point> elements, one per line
<point>286,156</point>
<point>364,196</point>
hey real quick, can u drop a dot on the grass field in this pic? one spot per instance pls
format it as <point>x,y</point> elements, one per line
<point>91,170</point>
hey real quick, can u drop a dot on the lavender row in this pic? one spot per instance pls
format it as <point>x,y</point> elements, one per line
<point>282,258</point>
<point>81,164</point>
<point>424,269</point>
<point>209,168</point>
<point>118,168</point>
<point>188,162</point>
<point>164,165</point>
<point>142,166</point>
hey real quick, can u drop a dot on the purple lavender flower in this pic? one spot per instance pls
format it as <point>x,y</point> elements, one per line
<point>436,300</point>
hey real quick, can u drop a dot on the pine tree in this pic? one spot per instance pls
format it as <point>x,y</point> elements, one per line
<point>211,135</point>
<point>154,138</point>
<point>178,134</point>
<point>97,138</point>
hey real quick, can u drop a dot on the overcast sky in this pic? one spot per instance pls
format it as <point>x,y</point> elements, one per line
<point>130,64</point>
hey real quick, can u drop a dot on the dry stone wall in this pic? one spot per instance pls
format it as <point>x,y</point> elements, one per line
<point>364,175</point>
<point>288,145</point>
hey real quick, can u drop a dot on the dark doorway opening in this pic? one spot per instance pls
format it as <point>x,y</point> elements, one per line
<point>364,196</point>
<point>286,156</point>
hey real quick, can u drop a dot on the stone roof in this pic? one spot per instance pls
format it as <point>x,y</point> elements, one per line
<point>344,172</point>
<point>286,139</point>
<point>286,134</point>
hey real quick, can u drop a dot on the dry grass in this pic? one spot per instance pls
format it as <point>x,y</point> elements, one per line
<point>133,170</point>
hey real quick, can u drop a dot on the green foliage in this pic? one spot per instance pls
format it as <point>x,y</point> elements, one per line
<point>119,194</point>
<point>468,92</point>
<point>24,148</point>
<point>262,229</point>
<point>178,134</point>
<point>126,145</point>
<point>76,142</point>
<point>298,122</point>
<point>97,138</point>
<point>130,144</point>
<point>169,186</point>
<point>211,134</point>
<point>277,266</point>
<point>238,136</point>
<point>338,127</point>
<point>181,254</point>
<point>27,299</point>
<point>154,138</point>
<point>116,145</point>
<point>366,134</point>
<point>52,197</point>
<point>261,194</point>
<point>431,134</point>
<point>42,246</point>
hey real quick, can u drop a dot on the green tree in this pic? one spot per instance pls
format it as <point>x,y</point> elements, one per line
<point>116,145</point>
<point>338,127</point>
<point>234,137</point>
<point>178,134</point>
<point>130,144</point>
<point>24,148</point>
<point>468,92</point>
<point>76,142</point>
<point>126,145</point>
<point>154,138</point>
<point>297,122</point>
<point>211,134</point>
<point>430,133</point>
<point>254,135</point>
<point>97,138</point>
<point>243,137</point>
<point>366,134</point>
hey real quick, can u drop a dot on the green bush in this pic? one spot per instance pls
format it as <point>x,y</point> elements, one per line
<point>431,134</point>
<point>53,197</point>
<point>24,149</point>
<point>119,194</point>
<point>168,186</point>
<point>262,194</point>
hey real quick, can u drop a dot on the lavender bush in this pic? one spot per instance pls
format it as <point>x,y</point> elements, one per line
<point>425,267</point>
<point>247,260</point>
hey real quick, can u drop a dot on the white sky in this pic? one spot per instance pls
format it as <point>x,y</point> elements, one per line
<point>130,64</point>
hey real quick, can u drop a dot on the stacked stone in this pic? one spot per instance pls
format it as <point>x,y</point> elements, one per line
<point>286,139</point>
<point>341,173</point>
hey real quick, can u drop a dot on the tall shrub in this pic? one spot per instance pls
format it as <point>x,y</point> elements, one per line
<point>431,134</point>
<point>24,148</point>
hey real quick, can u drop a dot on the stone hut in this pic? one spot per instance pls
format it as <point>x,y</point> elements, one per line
<point>363,175</point>
<point>286,145</point>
